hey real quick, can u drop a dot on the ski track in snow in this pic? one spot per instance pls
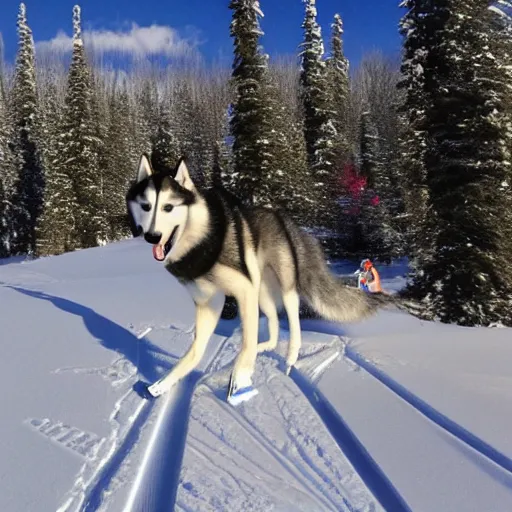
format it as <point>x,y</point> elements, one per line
<point>109,467</point>
<point>297,466</point>
<point>289,450</point>
<point>156,481</point>
<point>298,462</point>
<point>97,474</point>
<point>366,467</point>
<point>302,454</point>
<point>437,417</point>
<point>100,473</point>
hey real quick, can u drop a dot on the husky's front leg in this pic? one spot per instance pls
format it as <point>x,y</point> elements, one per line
<point>207,317</point>
<point>241,378</point>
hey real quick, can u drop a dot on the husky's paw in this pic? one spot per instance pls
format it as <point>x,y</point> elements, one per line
<point>267,346</point>
<point>141,388</point>
<point>242,379</point>
<point>158,388</point>
<point>291,359</point>
<point>239,380</point>
<point>240,393</point>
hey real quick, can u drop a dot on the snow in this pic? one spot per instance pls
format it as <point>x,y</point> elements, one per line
<point>392,413</point>
<point>257,8</point>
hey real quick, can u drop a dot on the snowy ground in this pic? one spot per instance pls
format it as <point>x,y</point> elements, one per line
<point>391,414</point>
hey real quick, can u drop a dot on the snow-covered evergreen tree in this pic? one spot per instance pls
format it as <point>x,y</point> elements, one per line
<point>501,37</point>
<point>319,129</point>
<point>251,119</point>
<point>27,200</point>
<point>217,166</point>
<point>190,128</point>
<point>165,152</point>
<point>3,222</point>
<point>56,225</point>
<point>291,186</point>
<point>468,168</point>
<point>378,235</point>
<point>338,67</point>
<point>373,111</point>
<point>146,115</point>
<point>6,175</point>
<point>78,146</point>
<point>222,171</point>
<point>418,27</point>
<point>369,150</point>
<point>118,162</point>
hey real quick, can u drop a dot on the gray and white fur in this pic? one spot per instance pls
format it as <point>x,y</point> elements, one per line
<point>216,247</point>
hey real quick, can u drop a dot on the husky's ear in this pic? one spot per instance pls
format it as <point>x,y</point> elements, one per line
<point>145,168</point>
<point>183,176</point>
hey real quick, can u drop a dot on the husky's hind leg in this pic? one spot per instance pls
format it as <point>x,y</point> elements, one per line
<point>291,301</point>
<point>268,306</point>
<point>207,317</point>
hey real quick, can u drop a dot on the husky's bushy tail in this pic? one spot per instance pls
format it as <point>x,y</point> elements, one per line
<point>328,295</point>
<point>335,301</point>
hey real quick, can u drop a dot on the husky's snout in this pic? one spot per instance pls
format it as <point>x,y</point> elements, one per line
<point>152,238</point>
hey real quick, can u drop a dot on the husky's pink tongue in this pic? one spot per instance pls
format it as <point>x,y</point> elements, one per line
<point>158,252</point>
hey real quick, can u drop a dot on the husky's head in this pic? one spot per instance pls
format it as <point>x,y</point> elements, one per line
<point>158,205</point>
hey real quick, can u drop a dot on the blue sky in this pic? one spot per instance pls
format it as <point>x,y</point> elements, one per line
<point>369,24</point>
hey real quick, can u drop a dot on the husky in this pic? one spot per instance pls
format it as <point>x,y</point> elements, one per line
<point>217,247</point>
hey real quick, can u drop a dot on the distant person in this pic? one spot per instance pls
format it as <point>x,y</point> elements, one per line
<point>368,277</point>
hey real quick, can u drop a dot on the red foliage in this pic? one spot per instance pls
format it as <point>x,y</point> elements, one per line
<point>353,185</point>
<point>352,182</point>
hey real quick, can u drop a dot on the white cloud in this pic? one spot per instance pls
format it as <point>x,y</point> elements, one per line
<point>137,41</point>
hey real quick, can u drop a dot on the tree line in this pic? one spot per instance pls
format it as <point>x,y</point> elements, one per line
<point>277,131</point>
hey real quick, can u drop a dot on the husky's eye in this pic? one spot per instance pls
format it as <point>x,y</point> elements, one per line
<point>168,208</point>
<point>146,207</point>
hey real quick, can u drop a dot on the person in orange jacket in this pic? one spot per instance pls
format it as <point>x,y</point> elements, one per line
<point>368,277</point>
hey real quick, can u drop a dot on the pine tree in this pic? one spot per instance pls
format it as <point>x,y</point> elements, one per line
<point>337,67</point>
<point>78,147</point>
<point>374,91</point>
<point>29,188</point>
<point>501,37</point>
<point>468,175</point>
<point>250,122</point>
<point>6,176</point>
<point>118,162</point>
<point>319,129</point>
<point>217,166</point>
<point>210,123</point>
<point>291,185</point>
<point>191,139</point>
<point>165,152</point>
<point>223,172</point>
<point>418,27</point>
<point>377,232</point>
<point>4,225</point>
<point>369,148</point>
<point>57,222</point>
<point>146,116</point>
<point>3,222</point>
